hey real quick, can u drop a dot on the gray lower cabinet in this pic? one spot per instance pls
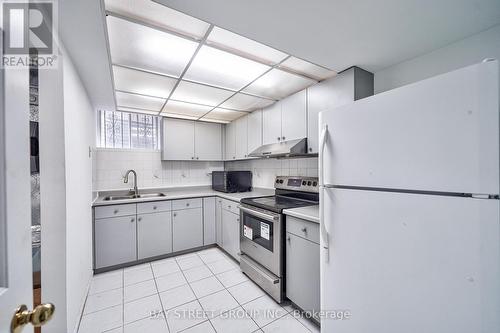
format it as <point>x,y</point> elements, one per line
<point>302,272</point>
<point>187,227</point>
<point>218,221</point>
<point>209,228</point>
<point>115,240</point>
<point>231,233</point>
<point>154,234</point>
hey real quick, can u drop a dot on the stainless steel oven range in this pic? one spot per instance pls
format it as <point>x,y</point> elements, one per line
<point>262,231</point>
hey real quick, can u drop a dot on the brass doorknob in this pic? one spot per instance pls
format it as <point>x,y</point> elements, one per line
<point>38,317</point>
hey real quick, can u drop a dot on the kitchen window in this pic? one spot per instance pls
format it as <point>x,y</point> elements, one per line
<point>125,130</point>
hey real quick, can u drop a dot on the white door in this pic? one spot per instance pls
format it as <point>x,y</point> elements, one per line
<point>16,285</point>
<point>178,139</point>
<point>207,141</point>
<point>271,124</point>
<point>294,116</point>
<point>230,141</point>
<point>254,130</point>
<point>154,234</point>
<point>440,134</point>
<point>241,136</point>
<point>411,263</point>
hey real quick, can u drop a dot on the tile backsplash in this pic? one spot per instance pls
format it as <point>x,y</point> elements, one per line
<point>265,170</point>
<point>111,166</point>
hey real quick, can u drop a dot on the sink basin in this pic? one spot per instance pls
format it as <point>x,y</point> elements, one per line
<point>129,197</point>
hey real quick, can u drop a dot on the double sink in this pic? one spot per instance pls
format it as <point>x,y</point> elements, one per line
<point>134,196</point>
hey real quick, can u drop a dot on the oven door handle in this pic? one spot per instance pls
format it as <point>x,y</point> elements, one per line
<point>263,216</point>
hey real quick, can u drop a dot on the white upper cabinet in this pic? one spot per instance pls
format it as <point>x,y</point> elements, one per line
<point>230,141</point>
<point>294,116</point>
<point>271,124</point>
<point>241,137</point>
<point>190,140</point>
<point>207,141</point>
<point>254,130</point>
<point>178,139</point>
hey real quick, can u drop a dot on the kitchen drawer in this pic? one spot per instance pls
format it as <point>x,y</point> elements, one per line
<point>231,206</point>
<point>153,207</point>
<point>187,203</point>
<point>302,228</point>
<point>114,211</point>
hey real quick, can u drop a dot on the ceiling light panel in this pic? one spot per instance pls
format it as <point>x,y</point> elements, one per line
<point>185,109</point>
<point>244,102</point>
<point>223,115</point>
<point>306,68</point>
<point>178,116</point>
<point>139,82</point>
<point>138,101</point>
<point>138,46</point>
<point>277,84</point>
<point>200,94</point>
<point>155,14</point>
<point>215,121</point>
<point>241,45</point>
<point>222,69</point>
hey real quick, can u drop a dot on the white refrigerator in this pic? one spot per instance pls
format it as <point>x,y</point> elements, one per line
<point>410,220</point>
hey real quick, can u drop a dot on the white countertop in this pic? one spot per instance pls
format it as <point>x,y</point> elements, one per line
<point>180,193</point>
<point>310,213</point>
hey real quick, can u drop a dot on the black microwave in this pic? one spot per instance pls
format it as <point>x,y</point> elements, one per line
<point>232,181</point>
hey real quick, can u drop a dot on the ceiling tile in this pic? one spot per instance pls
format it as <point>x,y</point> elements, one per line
<point>244,102</point>
<point>135,45</point>
<point>138,101</point>
<point>135,110</point>
<point>278,84</point>
<point>139,82</point>
<point>304,67</point>
<point>159,15</point>
<point>244,46</point>
<point>200,94</point>
<point>178,116</point>
<point>186,109</point>
<point>222,69</point>
<point>223,114</point>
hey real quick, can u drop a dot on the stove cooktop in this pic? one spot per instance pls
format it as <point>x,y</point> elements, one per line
<point>277,203</point>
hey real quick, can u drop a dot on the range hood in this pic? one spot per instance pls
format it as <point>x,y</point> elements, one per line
<point>289,148</point>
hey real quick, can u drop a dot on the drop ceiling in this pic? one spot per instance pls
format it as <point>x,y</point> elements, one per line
<point>168,63</point>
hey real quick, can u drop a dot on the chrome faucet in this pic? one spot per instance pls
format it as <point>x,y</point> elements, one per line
<point>135,191</point>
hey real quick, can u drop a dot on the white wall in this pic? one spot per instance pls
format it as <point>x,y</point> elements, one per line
<point>66,131</point>
<point>265,170</point>
<point>79,130</point>
<point>450,57</point>
<point>111,165</point>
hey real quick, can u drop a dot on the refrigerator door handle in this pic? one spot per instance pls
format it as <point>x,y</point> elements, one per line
<point>324,230</point>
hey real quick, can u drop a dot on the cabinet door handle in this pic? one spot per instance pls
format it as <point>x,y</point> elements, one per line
<point>288,239</point>
<point>116,211</point>
<point>197,157</point>
<point>304,230</point>
<point>279,138</point>
<point>154,207</point>
<point>175,214</point>
<point>187,204</point>
<point>192,157</point>
<point>132,220</point>
<point>283,138</point>
<point>139,219</point>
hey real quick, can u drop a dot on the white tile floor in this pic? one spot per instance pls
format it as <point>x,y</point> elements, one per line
<point>201,292</point>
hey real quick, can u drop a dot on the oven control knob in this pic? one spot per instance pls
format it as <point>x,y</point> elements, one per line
<point>277,181</point>
<point>309,183</point>
<point>315,183</point>
<point>281,181</point>
<point>304,183</point>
